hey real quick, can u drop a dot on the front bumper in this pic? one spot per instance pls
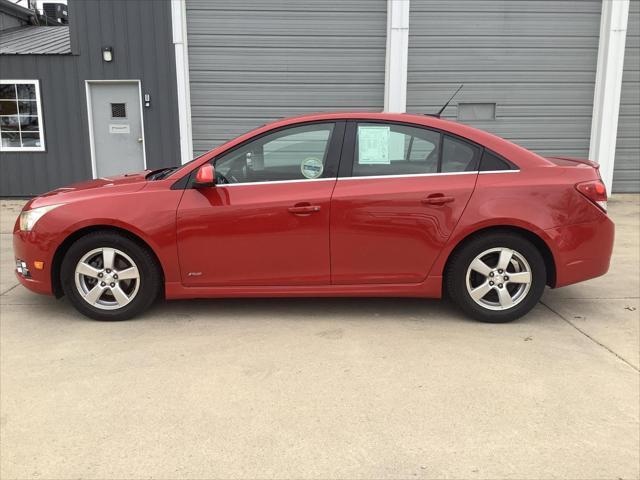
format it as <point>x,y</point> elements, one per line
<point>28,248</point>
<point>582,251</point>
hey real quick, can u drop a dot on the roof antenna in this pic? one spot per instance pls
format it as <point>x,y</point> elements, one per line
<point>437,115</point>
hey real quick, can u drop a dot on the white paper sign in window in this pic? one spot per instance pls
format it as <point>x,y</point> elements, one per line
<point>20,116</point>
<point>397,142</point>
<point>373,145</point>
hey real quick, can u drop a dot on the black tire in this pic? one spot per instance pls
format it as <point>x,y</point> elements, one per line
<point>456,276</point>
<point>150,275</point>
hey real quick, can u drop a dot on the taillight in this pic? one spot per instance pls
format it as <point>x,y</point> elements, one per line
<point>595,191</point>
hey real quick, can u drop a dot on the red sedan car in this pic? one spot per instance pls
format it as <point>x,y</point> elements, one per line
<point>345,204</point>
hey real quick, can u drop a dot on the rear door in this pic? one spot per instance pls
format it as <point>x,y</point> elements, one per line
<point>266,222</point>
<point>400,193</point>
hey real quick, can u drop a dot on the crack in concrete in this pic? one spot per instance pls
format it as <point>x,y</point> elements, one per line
<point>9,289</point>
<point>590,337</point>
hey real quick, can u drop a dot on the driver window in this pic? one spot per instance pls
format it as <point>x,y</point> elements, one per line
<point>297,153</point>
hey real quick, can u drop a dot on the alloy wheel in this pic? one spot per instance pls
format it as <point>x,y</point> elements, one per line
<point>107,278</point>
<point>499,278</point>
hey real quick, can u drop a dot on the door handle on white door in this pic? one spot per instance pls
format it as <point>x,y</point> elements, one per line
<point>140,140</point>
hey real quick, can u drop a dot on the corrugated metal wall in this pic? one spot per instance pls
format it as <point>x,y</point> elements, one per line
<point>253,61</point>
<point>626,177</point>
<point>141,36</point>
<point>536,59</point>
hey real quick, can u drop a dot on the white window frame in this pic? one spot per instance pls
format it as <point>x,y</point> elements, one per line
<point>42,146</point>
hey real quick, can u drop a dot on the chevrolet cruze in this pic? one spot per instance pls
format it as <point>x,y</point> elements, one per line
<point>345,204</point>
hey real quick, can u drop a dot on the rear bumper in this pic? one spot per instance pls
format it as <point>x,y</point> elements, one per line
<point>28,248</point>
<point>582,251</point>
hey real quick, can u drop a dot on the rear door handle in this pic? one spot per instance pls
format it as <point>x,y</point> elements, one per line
<point>437,199</point>
<point>304,209</point>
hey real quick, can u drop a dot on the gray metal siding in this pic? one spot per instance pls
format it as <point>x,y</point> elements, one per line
<point>536,59</point>
<point>253,61</point>
<point>626,177</point>
<point>141,36</point>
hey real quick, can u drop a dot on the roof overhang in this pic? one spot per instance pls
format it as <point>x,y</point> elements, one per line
<point>10,8</point>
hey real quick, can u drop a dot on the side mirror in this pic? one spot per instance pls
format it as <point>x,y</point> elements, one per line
<point>205,176</point>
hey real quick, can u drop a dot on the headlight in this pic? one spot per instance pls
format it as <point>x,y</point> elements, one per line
<point>29,218</point>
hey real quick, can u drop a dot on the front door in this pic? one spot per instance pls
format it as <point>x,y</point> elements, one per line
<point>266,222</point>
<point>395,207</point>
<point>116,128</point>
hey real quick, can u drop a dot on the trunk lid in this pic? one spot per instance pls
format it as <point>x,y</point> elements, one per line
<point>588,182</point>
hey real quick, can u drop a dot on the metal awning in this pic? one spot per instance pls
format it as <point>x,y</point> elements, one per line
<point>35,40</point>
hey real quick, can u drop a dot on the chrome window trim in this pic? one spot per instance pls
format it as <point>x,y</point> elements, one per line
<point>408,175</point>
<point>427,174</point>
<point>368,177</point>
<point>333,179</point>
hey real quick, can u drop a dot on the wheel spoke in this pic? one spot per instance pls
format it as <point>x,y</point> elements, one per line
<point>93,295</point>
<point>505,298</point>
<point>130,273</point>
<point>87,270</point>
<point>119,295</point>
<point>479,292</point>
<point>520,277</point>
<point>108,256</point>
<point>505,258</point>
<point>480,267</point>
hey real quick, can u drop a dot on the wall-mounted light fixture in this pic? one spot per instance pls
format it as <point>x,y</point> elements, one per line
<point>107,54</point>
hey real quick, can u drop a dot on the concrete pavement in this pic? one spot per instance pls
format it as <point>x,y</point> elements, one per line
<point>325,388</point>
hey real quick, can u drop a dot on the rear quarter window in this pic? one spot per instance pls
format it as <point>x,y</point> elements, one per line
<point>459,156</point>
<point>491,162</point>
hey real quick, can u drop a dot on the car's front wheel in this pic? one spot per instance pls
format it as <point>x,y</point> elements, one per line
<point>497,277</point>
<point>108,276</point>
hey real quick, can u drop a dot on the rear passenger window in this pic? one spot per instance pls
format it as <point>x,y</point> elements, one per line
<point>492,162</point>
<point>386,149</point>
<point>459,156</point>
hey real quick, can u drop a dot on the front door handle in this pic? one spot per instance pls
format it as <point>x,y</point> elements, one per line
<point>437,199</point>
<point>305,209</point>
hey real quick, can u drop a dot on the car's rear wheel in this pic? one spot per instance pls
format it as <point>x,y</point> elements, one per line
<point>496,277</point>
<point>108,276</point>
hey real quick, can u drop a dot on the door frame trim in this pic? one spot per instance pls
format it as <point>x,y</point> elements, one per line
<point>92,146</point>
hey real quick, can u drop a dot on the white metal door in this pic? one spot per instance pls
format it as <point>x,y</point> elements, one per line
<point>115,121</point>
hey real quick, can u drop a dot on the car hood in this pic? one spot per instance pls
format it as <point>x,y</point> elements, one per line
<point>129,182</point>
